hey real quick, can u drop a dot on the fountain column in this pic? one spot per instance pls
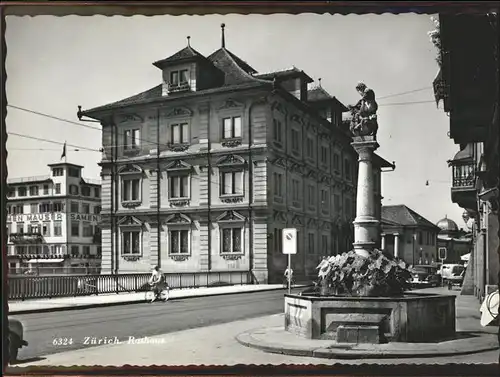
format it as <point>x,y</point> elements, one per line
<point>366,225</point>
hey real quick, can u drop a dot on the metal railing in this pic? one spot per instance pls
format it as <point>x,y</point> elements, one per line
<point>37,178</point>
<point>464,175</point>
<point>32,287</point>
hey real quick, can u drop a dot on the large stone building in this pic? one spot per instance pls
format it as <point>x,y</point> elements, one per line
<point>53,222</point>
<point>203,171</point>
<point>409,236</point>
<point>457,242</point>
<point>468,83</point>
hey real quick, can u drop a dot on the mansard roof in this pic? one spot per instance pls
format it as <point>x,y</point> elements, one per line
<point>237,74</point>
<point>235,70</point>
<point>318,94</point>
<point>285,74</point>
<point>186,54</point>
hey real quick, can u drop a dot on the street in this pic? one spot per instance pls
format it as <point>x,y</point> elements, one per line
<point>139,320</point>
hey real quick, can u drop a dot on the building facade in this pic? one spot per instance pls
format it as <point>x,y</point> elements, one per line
<point>409,236</point>
<point>457,242</point>
<point>202,172</point>
<point>467,83</point>
<point>53,222</point>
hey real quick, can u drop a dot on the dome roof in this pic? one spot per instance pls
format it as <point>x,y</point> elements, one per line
<point>447,225</point>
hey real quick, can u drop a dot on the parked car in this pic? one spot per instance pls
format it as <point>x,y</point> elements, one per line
<point>426,275</point>
<point>452,274</point>
<point>16,339</point>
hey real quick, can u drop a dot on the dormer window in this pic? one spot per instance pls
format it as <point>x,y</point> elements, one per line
<point>179,80</point>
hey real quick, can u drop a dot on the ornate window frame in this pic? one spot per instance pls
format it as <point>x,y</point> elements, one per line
<point>176,116</point>
<point>297,149</point>
<point>231,109</point>
<point>325,204</point>
<point>231,220</point>
<point>231,164</point>
<point>131,224</point>
<point>179,168</point>
<point>278,134</point>
<point>132,126</point>
<point>131,173</point>
<point>179,222</point>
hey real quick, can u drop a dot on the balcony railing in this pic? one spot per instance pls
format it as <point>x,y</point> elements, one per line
<point>181,87</point>
<point>464,175</point>
<point>26,238</point>
<point>26,287</point>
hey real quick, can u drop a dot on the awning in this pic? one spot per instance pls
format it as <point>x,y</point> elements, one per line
<point>465,257</point>
<point>46,260</point>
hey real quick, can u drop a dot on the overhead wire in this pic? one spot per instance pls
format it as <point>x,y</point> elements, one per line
<point>156,143</point>
<point>51,141</point>
<point>403,93</point>
<point>121,159</point>
<point>163,144</point>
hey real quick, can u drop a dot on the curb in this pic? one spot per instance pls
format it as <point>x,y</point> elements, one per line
<point>142,301</point>
<point>453,348</point>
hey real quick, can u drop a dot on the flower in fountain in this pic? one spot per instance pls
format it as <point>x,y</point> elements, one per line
<point>349,274</point>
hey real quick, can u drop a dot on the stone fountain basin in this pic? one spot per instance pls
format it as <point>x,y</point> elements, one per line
<point>413,318</point>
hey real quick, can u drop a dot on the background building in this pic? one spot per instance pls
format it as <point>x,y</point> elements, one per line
<point>467,84</point>
<point>457,242</point>
<point>409,236</point>
<point>53,222</point>
<point>202,172</point>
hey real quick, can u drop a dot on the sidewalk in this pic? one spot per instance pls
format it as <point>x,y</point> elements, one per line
<point>83,302</point>
<point>470,338</point>
<point>217,345</point>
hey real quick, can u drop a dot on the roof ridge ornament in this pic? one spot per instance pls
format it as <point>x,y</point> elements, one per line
<point>223,39</point>
<point>188,38</point>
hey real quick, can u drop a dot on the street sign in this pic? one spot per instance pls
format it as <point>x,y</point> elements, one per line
<point>442,253</point>
<point>289,241</point>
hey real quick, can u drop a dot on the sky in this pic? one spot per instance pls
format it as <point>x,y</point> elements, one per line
<point>55,64</point>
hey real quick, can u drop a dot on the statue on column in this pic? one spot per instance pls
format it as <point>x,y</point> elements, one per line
<point>364,113</point>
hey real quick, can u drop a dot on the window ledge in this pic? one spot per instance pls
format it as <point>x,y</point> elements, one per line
<point>178,147</point>
<point>180,257</point>
<point>131,203</point>
<point>179,202</point>
<point>131,258</point>
<point>232,142</point>
<point>232,256</point>
<point>232,198</point>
